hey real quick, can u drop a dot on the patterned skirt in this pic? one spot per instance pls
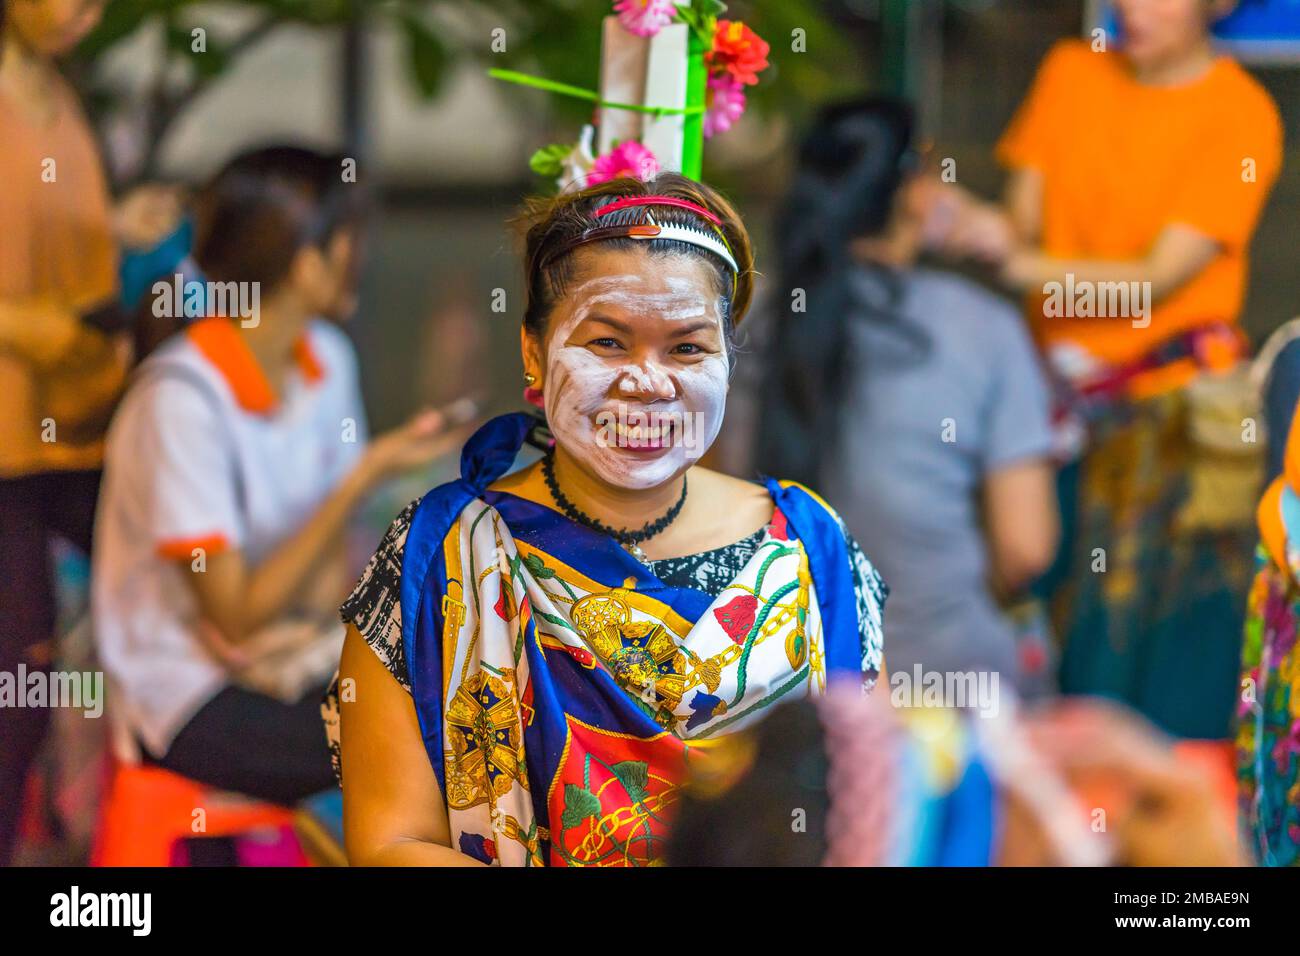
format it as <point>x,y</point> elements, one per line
<point>1159,538</point>
<point>1268,719</point>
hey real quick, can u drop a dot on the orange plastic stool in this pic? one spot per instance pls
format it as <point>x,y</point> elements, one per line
<point>146,810</point>
<point>1217,760</point>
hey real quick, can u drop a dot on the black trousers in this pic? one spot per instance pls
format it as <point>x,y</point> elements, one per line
<point>33,509</point>
<point>255,745</point>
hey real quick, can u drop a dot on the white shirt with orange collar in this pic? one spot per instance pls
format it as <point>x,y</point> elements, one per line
<point>201,457</point>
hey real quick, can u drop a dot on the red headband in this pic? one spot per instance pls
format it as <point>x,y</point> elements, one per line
<point>627,201</point>
<point>648,230</point>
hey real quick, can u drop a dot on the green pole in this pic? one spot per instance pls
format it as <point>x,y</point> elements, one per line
<point>693,124</point>
<point>898,20</point>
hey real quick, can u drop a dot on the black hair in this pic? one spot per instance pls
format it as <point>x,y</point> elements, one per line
<point>265,206</point>
<point>852,163</point>
<point>753,821</point>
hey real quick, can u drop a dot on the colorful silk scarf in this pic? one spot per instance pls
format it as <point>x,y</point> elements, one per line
<point>1268,713</point>
<point>564,692</point>
<point>1279,511</point>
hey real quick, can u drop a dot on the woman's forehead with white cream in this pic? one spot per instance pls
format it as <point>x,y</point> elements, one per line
<point>683,299</point>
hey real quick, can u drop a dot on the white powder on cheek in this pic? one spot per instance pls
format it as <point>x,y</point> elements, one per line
<point>705,387</point>
<point>578,384</point>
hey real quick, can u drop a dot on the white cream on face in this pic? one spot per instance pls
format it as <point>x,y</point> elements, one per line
<point>586,390</point>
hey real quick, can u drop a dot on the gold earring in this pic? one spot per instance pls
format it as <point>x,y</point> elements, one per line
<point>530,379</point>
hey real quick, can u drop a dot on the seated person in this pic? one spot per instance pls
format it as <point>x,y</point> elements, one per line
<point>231,470</point>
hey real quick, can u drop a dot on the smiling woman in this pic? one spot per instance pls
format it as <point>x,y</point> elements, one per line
<point>537,657</point>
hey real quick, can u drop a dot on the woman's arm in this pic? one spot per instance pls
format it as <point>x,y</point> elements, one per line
<point>38,329</point>
<point>1022,203</point>
<point>1021,522</point>
<point>239,599</point>
<point>393,811</point>
<point>1177,256</point>
<point>982,231</point>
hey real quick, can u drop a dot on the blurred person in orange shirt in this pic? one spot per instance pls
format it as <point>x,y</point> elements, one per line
<point>1137,176</point>
<point>61,366</point>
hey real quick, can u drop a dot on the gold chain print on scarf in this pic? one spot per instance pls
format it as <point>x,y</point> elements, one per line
<point>649,664</point>
<point>758,642</point>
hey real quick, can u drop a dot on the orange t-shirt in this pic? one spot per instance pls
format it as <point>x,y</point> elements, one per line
<point>1120,161</point>
<point>56,244</point>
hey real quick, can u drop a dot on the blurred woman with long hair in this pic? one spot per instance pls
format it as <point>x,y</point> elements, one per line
<point>911,395</point>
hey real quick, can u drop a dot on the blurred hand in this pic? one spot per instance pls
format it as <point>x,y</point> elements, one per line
<point>1020,268</point>
<point>147,215</point>
<point>43,330</point>
<point>1165,812</point>
<point>281,641</point>
<point>220,647</point>
<point>980,231</point>
<point>957,224</point>
<point>425,437</point>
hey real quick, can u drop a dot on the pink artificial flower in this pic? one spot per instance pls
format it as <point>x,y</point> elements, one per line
<point>628,160</point>
<point>645,18</point>
<point>726,102</point>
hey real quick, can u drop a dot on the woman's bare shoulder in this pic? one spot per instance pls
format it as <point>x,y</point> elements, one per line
<point>749,500</point>
<point>726,484</point>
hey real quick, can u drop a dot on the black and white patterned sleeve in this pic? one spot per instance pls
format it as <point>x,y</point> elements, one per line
<point>871,592</point>
<point>375,603</point>
<point>374,606</point>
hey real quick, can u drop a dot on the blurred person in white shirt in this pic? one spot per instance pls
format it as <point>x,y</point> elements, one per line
<point>232,468</point>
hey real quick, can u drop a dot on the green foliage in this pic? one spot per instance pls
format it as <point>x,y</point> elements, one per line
<point>831,67</point>
<point>549,160</point>
<point>702,17</point>
<point>557,39</point>
<point>121,19</point>
<point>209,63</point>
<point>426,53</point>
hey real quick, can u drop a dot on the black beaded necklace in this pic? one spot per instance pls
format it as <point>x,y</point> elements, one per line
<point>629,539</point>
